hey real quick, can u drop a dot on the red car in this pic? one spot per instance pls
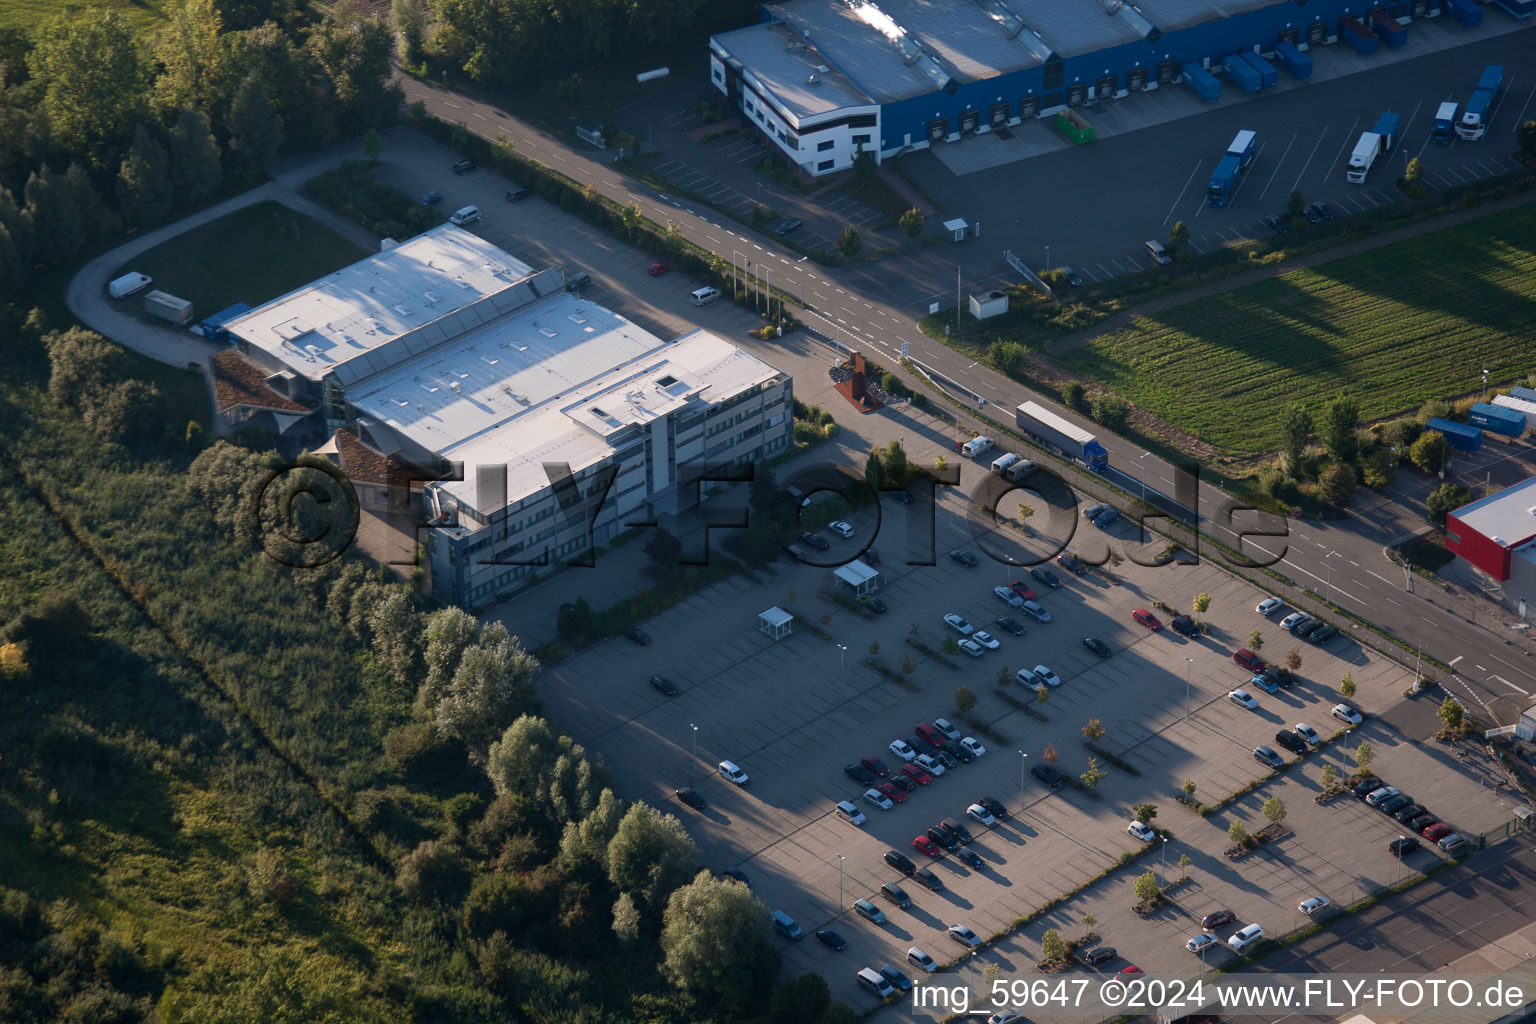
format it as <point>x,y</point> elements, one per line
<point>657,269</point>
<point>1022,589</point>
<point>1436,832</point>
<point>917,773</point>
<point>877,766</point>
<point>935,738</point>
<point>1217,918</point>
<point>1130,972</point>
<point>1250,661</point>
<point>1147,619</point>
<point>928,846</point>
<point>896,794</point>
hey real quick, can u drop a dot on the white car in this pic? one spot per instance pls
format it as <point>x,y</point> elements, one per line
<point>1046,676</point>
<point>963,935</point>
<point>730,772</point>
<point>1008,597</point>
<point>934,765</point>
<point>1265,607</point>
<point>1377,797</point>
<point>1347,714</point>
<point>1200,943</point>
<point>1242,698</point>
<point>972,744</point>
<point>943,724</point>
<point>1314,906</point>
<point>1293,620</point>
<point>1006,1017</point>
<point>1141,830</point>
<point>986,640</point>
<point>902,749</point>
<point>958,624</point>
<point>1035,611</point>
<point>840,528</point>
<point>917,958</point>
<point>1307,733</point>
<point>879,799</point>
<point>972,648</point>
<point>980,815</point>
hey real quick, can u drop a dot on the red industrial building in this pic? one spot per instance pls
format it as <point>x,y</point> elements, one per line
<point>1495,539</point>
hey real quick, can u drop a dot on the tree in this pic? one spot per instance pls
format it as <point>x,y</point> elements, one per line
<point>1052,946</point>
<point>1050,754</point>
<point>1094,774</point>
<point>1042,693</point>
<point>410,21</point>
<point>965,700</point>
<point>1185,860</point>
<point>1072,395</point>
<point>1330,777</point>
<point>1237,831</point>
<point>128,410</point>
<point>650,856</point>
<point>663,549</point>
<point>353,54</point>
<point>570,91</point>
<point>872,469</point>
<point>1526,134</point>
<point>863,163</point>
<point>911,222</point>
<point>1255,641</point>
<point>1274,809</point>
<point>1413,176</point>
<point>1445,499</point>
<point>434,872</point>
<point>56,222</point>
<point>491,686</point>
<point>1144,813</point>
<point>94,84</point>
<point>1341,419</point>
<point>373,145</point>
<point>1094,730</point>
<point>1336,484</point>
<point>1450,714</point>
<point>874,648</point>
<point>1025,511</point>
<point>396,629</point>
<point>951,646</point>
<point>717,940</point>
<point>1202,603</point>
<point>83,364</point>
<point>805,998</point>
<point>1296,429</point>
<point>839,1013</point>
<point>626,918</point>
<point>895,465</point>
<point>1178,235</point>
<point>849,243</point>
<point>255,137</point>
<point>1363,757</point>
<point>145,192</point>
<point>1188,787</point>
<point>1295,206</point>
<point>1293,660</point>
<point>1089,920</point>
<point>1109,410</point>
<point>1347,685</point>
<point>1009,357</point>
<point>1146,887</point>
<point>196,165</point>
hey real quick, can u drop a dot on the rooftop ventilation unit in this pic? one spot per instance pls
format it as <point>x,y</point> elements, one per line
<point>813,80</point>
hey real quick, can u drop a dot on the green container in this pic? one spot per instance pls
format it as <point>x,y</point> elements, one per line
<point>1074,126</point>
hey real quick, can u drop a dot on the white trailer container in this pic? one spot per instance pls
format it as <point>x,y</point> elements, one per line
<point>168,307</point>
<point>1366,151</point>
<point>129,283</point>
<point>1522,406</point>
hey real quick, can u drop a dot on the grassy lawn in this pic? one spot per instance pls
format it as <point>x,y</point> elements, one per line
<point>1393,328</point>
<point>143,15</point>
<point>251,255</point>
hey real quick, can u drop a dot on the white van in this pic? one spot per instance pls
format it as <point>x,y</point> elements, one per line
<point>1002,462</point>
<point>1019,470</point>
<point>704,296</point>
<point>1158,253</point>
<point>875,982</point>
<point>975,446</point>
<point>1245,937</point>
<point>465,215</point>
<point>129,283</point>
<point>849,813</point>
<point>785,925</point>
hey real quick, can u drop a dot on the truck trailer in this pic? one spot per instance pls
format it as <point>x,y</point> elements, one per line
<point>1457,435</point>
<point>1357,35</point>
<point>1496,418</point>
<point>1373,144</point>
<point>1445,123</point>
<point>1061,434</point>
<point>1468,12</point>
<point>1268,76</point>
<point>1474,116</point>
<point>1518,8</point>
<point>1202,82</point>
<point>1231,167</point>
<point>1241,72</point>
<point>1388,28</point>
<point>1293,60</point>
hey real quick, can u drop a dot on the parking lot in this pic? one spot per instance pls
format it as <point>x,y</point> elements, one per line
<point>792,713</point>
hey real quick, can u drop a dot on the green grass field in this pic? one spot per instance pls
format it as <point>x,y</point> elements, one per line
<point>1393,328</point>
<point>251,255</point>
<point>143,15</point>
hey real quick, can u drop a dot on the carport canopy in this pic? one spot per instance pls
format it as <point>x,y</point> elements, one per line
<point>860,577</point>
<point>776,622</point>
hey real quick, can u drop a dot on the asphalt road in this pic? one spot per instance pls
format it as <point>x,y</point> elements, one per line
<point>869,307</point>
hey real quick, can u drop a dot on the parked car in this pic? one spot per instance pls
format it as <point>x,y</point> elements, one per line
<point>738,874</point>
<point>902,750</point>
<point>1242,698</point>
<point>430,199</point>
<point>963,935</point>
<point>1308,733</point>
<point>1408,813</point>
<point>1045,576</point>
<point>981,815</point>
<point>875,604</point>
<point>900,982</point>
<point>788,227</point>
<point>1071,564</point>
<point>658,268</point>
<point>958,624</point>
<point>1366,786</point>
<point>1394,804</point>
<point>1264,682</point>
<point>996,809</point>
<point>1185,626</point>
<point>815,540</point>
<point>1101,955</point>
<point>665,685</point>
<point>638,635</point>
<point>892,792</point>
<point>1048,775</point>
<point>1346,714</point>
<point>1267,606</point>
<point>1043,675</point>
<point>969,859</point>
<point>1012,626</point>
<point>1310,212</point>
<point>1147,619</point>
<point>840,528</point>
<point>1022,589</point>
<point>1422,822</point>
<point>1217,918</point>
<point>940,837</point>
<point>1292,742</point>
<point>964,557</point>
<point>1096,645</point>
<point>986,640</point>
<point>866,909</point>
<point>959,750</point>
<point>1290,622</point>
<point>1090,511</point>
<point>1280,676</point>
<point>1402,846</point>
<point>1200,943</point>
<point>947,727</point>
<point>929,879</point>
<point>871,556</point>
<point>464,166</point>
<point>925,845</point>
<point>1306,629</point>
<point>690,798</point>
<point>858,773</point>
<point>1323,635</point>
<point>1436,832</point>
<point>900,862</point>
<point>731,772</point>
<point>1267,756</point>
<point>1324,209</point>
<point>875,765</point>
<point>829,937</point>
<point>903,783</point>
<point>1008,597</point>
<point>933,764</point>
<point>972,648</point>
<point>1248,660</point>
<point>1141,830</point>
<point>1106,517</point>
<point>956,828</point>
<point>1074,279</point>
<point>916,773</point>
<point>1278,224</point>
<point>1378,796</point>
<point>1314,905</point>
<point>518,193</point>
<point>1035,611</point>
<point>921,960</point>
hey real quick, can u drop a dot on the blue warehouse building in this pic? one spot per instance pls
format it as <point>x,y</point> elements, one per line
<point>821,79</point>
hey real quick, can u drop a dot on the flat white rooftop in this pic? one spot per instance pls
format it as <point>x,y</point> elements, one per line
<point>1509,515</point>
<point>389,300</point>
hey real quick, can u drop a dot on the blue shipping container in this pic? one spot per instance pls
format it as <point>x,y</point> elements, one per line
<point>1358,36</point>
<point>1268,76</point>
<point>1519,8</point>
<point>1457,435</point>
<point>1202,82</point>
<point>1468,12</point>
<point>1242,73</point>
<point>1497,419</point>
<point>1298,64</point>
<point>1524,394</point>
<point>1388,28</point>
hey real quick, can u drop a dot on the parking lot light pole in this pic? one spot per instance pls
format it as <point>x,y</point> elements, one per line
<point>1328,558</point>
<point>1143,462</point>
<point>842,660</point>
<point>1188,665</point>
<point>1485,385</point>
<point>695,740</point>
<point>1164,868</point>
<point>971,387</point>
<point>1397,875</point>
<point>839,883</point>
<point>1023,758</point>
<point>737,277</point>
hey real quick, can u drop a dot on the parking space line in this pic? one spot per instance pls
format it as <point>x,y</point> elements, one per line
<point>1338,157</point>
<point>1486,172</point>
<point>1310,155</point>
<point>1520,117</point>
<point>1459,179</point>
<point>1180,198</point>
<point>1385,198</point>
<point>1276,172</point>
<point>1107,274</point>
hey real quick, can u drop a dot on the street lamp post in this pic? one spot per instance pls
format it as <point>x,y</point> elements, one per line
<point>768,289</point>
<point>1164,868</point>
<point>1392,472</point>
<point>1398,874</point>
<point>1485,385</point>
<point>1023,759</point>
<point>1328,559</point>
<point>1143,462</point>
<point>695,740</point>
<point>1188,665</point>
<point>740,273</point>
<point>839,883</point>
<point>842,660</point>
<point>971,387</point>
<point>1047,259</point>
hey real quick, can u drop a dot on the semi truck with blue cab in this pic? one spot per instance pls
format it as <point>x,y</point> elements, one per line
<point>1474,116</point>
<point>1445,123</point>
<point>1231,167</point>
<point>1374,143</point>
<point>1061,434</point>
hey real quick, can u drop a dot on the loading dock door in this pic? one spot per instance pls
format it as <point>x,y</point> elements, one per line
<point>1317,33</point>
<point>1421,8</point>
<point>938,129</point>
<point>1077,94</point>
<point>1291,35</point>
<point>997,117</point>
<point>1108,86</point>
<point>1029,107</point>
<point>1136,79</point>
<point>1168,72</point>
<point>970,120</point>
